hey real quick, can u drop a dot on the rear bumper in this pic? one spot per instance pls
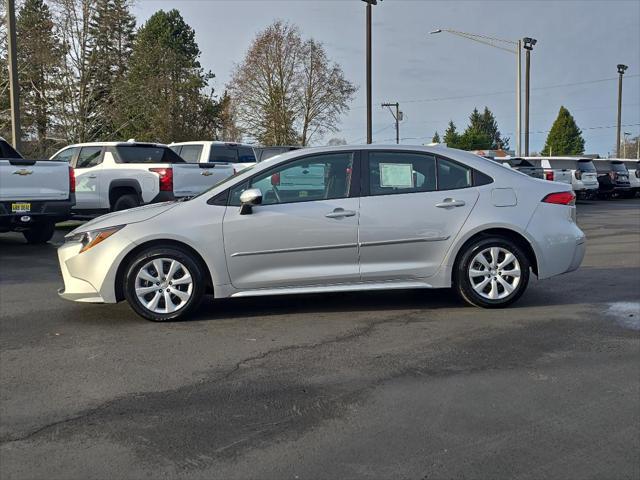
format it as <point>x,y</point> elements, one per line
<point>41,211</point>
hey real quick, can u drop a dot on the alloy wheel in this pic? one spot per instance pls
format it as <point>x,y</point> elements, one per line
<point>494,273</point>
<point>163,285</point>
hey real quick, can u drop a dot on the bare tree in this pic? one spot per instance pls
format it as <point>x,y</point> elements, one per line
<point>285,91</point>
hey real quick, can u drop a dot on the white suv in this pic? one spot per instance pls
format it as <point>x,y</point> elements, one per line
<point>115,176</point>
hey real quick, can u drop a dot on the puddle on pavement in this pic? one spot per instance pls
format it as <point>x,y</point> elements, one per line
<point>627,314</point>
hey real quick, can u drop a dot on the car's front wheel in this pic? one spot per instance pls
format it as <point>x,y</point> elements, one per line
<point>492,272</point>
<point>164,283</point>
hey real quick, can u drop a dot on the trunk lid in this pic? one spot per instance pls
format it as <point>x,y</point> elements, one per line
<point>33,180</point>
<point>193,178</point>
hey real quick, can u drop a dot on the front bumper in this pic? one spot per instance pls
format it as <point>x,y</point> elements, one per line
<point>90,276</point>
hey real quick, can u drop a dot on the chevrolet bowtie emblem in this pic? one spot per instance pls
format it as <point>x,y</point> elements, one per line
<point>23,172</point>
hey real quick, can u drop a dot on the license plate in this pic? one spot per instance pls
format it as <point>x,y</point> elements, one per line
<point>20,207</point>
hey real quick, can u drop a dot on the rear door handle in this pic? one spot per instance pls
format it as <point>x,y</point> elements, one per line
<point>93,176</point>
<point>450,202</point>
<point>340,213</point>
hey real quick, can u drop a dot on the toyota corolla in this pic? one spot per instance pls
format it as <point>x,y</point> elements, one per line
<point>332,219</point>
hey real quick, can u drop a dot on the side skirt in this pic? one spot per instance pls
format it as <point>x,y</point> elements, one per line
<point>339,287</point>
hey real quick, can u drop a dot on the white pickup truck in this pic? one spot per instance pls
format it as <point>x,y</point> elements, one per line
<point>114,176</point>
<point>34,194</point>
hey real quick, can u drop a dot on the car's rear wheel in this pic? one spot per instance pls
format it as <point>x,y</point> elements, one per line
<point>125,202</point>
<point>492,272</point>
<point>39,233</point>
<point>164,283</point>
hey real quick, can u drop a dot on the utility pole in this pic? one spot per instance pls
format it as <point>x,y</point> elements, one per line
<point>519,99</point>
<point>397,117</point>
<point>528,46</point>
<point>14,88</point>
<point>621,70</point>
<point>369,105</point>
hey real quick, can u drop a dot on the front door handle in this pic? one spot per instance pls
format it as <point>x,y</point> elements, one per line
<point>93,176</point>
<point>340,213</point>
<point>450,202</point>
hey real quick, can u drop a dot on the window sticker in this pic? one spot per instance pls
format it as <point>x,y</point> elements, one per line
<point>397,175</point>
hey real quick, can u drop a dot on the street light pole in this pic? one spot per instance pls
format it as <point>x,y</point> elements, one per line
<point>624,145</point>
<point>514,47</point>
<point>621,70</point>
<point>14,88</point>
<point>528,46</point>
<point>369,105</point>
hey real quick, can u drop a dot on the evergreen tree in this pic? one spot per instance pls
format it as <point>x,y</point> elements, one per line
<point>489,125</point>
<point>435,138</point>
<point>565,138</point>
<point>112,30</point>
<point>166,95</point>
<point>451,136</point>
<point>39,58</point>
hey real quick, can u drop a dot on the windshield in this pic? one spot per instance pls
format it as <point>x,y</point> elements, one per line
<point>222,182</point>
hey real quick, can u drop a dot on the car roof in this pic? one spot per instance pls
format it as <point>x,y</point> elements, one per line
<point>212,142</point>
<point>116,144</point>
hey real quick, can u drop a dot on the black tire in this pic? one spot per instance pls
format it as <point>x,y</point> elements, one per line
<point>125,202</point>
<point>463,283</point>
<point>40,233</point>
<point>192,265</point>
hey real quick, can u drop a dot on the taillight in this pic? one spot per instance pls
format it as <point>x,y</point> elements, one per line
<point>72,180</point>
<point>561,198</point>
<point>166,178</point>
<point>578,175</point>
<point>549,176</point>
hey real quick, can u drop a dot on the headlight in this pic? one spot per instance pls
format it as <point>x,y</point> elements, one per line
<point>91,238</point>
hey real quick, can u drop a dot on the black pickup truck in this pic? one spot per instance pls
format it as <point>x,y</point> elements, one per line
<point>34,194</point>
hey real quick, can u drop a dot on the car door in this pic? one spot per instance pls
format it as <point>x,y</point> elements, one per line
<point>87,166</point>
<point>304,233</point>
<point>412,207</point>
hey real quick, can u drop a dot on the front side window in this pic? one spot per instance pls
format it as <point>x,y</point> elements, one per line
<point>191,153</point>
<point>321,177</point>
<point>400,172</point>
<point>65,155</point>
<point>89,157</point>
<point>452,175</point>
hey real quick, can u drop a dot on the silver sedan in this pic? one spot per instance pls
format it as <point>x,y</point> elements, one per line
<point>332,219</point>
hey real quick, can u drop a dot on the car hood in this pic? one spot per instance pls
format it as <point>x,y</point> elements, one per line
<point>124,217</point>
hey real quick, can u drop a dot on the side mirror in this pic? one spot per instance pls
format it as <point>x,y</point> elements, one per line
<point>249,198</point>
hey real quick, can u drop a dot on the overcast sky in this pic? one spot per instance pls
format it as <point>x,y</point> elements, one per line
<point>579,45</point>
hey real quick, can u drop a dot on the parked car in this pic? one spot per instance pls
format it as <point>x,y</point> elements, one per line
<point>264,153</point>
<point>613,178</point>
<point>385,217</point>
<point>238,155</point>
<point>633,166</point>
<point>114,176</point>
<point>580,173</point>
<point>521,165</point>
<point>34,194</point>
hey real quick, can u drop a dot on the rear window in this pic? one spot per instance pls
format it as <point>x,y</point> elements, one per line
<point>618,167</point>
<point>147,154</point>
<point>191,153</point>
<point>223,153</point>
<point>586,166</point>
<point>564,164</point>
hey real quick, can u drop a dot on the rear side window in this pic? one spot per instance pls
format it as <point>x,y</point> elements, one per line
<point>147,154</point>
<point>191,153</point>
<point>452,175</point>
<point>400,172</point>
<point>89,157</point>
<point>246,155</point>
<point>223,153</point>
<point>7,151</point>
<point>65,155</point>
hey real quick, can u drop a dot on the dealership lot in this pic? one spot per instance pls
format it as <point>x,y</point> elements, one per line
<point>408,384</point>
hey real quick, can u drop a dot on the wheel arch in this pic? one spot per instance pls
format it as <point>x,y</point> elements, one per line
<point>518,238</point>
<point>120,272</point>
<point>124,186</point>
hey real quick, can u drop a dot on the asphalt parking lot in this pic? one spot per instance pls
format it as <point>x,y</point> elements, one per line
<point>409,384</point>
